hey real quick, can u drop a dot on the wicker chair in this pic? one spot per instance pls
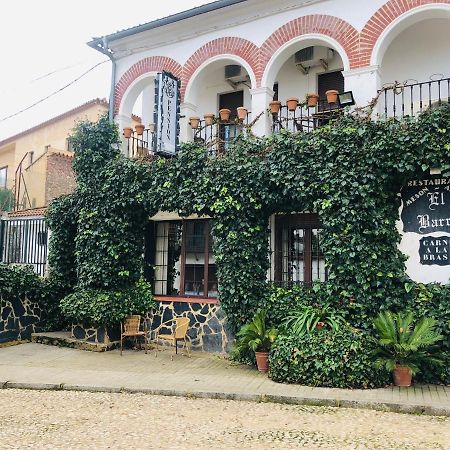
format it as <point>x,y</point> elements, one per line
<point>131,327</point>
<point>178,334</point>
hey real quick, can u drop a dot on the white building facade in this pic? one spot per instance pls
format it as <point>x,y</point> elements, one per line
<point>248,54</point>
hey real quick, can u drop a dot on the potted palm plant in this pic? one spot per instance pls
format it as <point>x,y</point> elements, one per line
<point>405,345</point>
<point>257,337</point>
<point>307,319</point>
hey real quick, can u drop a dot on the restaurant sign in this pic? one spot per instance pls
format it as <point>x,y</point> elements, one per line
<point>426,206</point>
<point>167,113</point>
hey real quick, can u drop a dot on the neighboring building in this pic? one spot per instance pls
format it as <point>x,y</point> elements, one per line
<point>37,163</point>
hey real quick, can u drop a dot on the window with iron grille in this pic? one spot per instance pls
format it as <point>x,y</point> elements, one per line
<point>183,261</point>
<point>299,256</point>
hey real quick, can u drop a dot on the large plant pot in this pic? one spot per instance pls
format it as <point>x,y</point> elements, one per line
<point>402,376</point>
<point>262,361</point>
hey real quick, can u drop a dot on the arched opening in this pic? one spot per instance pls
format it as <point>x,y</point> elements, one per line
<point>137,112</point>
<point>309,65</point>
<point>413,54</point>
<point>222,83</point>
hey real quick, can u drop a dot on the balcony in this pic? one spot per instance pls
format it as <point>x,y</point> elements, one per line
<point>410,99</point>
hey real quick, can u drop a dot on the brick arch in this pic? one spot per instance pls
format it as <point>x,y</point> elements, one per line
<point>243,48</point>
<point>381,20</point>
<point>339,30</point>
<point>150,64</point>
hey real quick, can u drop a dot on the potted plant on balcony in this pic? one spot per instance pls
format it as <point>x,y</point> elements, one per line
<point>256,336</point>
<point>209,118</point>
<point>225,114</point>
<point>292,103</point>
<point>139,128</point>
<point>403,346</point>
<point>127,132</point>
<point>194,122</point>
<point>312,99</point>
<point>332,96</point>
<point>275,107</point>
<point>242,113</point>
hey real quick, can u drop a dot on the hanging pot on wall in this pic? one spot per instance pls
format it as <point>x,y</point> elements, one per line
<point>194,122</point>
<point>209,118</point>
<point>225,114</point>
<point>139,129</point>
<point>242,113</point>
<point>127,132</point>
<point>292,103</point>
<point>312,100</point>
<point>275,107</point>
<point>332,96</point>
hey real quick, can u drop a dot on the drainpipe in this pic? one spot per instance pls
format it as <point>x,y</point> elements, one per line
<point>113,79</point>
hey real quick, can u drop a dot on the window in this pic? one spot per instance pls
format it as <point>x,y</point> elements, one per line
<point>3,177</point>
<point>299,257</point>
<point>183,261</point>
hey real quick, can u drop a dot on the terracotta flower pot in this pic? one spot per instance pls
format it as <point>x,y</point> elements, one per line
<point>312,100</point>
<point>402,376</point>
<point>194,122</point>
<point>127,132</point>
<point>139,129</point>
<point>292,103</point>
<point>275,107</point>
<point>320,325</point>
<point>332,96</point>
<point>242,113</point>
<point>209,118</point>
<point>262,361</point>
<point>225,115</point>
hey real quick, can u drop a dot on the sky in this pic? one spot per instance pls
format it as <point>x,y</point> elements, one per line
<point>44,48</point>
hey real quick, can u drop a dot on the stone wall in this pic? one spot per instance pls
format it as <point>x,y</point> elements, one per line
<point>18,319</point>
<point>208,328</point>
<point>100,335</point>
<point>60,176</point>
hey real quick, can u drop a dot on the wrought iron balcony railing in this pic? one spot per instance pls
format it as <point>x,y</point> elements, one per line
<point>217,135</point>
<point>409,99</point>
<point>139,143</point>
<point>298,117</point>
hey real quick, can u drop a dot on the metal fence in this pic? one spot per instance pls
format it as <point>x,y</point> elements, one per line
<point>24,241</point>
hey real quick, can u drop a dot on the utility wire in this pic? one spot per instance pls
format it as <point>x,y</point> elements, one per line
<point>53,93</point>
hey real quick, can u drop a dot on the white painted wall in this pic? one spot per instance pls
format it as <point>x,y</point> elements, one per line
<point>418,52</point>
<point>292,82</point>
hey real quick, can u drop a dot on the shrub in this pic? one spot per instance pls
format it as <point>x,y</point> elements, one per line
<point>103,307</point>
<point>338,359</point>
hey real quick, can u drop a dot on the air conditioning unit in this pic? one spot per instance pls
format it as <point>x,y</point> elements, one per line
<point>235,74</point>
<point>310,57</point>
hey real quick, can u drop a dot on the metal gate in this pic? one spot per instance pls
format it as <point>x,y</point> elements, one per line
<point>24,241</point>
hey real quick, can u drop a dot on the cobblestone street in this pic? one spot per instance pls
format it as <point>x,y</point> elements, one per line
<point>79,420</point>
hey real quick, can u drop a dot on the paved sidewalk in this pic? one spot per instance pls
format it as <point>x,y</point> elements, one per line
<point>37,366</point>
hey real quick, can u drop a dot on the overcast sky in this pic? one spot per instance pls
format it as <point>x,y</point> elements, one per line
<point>44,48</point>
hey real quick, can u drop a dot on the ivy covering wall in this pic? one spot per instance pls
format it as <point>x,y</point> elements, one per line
<point>350,172</point>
